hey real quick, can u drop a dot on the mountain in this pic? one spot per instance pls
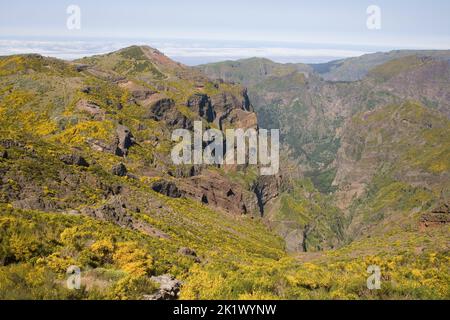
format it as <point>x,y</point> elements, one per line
<point>354,69</point>
<point>370,133</point>
<point>86,180</point>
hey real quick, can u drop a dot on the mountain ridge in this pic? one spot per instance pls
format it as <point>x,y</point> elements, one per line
<point>86,180</point>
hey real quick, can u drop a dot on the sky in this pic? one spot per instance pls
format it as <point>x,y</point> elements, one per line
<point>199,31</point>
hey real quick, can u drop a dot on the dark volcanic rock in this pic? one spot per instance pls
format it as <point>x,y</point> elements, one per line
<point>201,104</point>
<point>113,211</point>
<point>167,188</point>
<point>189,253</point>
<point>119,170</point>
<point>164,110</point>
<point>74,160</point>
<point>161,107</point>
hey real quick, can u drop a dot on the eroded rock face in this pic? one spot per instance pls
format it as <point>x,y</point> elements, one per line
<point>164,110</point>
<point>266,189</point>
<point>216,191</point>
<point>167,188</point>
<point>113,211</point>
<point>201,105</point>
<point>437,217</point>
<point>125,140</point>
<point>161,108</point>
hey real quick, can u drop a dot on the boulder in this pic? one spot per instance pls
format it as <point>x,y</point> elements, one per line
<point>189,253</point>
<point>167,188</point>
<point>125,140</point>
<point>119,170</point>
<point>169,288</point>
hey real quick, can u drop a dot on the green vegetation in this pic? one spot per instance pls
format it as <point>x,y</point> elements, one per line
<point>120,232</point>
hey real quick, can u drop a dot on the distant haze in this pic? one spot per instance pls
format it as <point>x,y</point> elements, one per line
<point>201,31</point>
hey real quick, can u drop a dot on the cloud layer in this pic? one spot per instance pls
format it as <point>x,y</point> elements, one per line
<point>183,51</point>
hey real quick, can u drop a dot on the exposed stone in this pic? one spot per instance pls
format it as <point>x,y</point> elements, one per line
<point>266,189</point>
<point>92,108</point>
<point>201,105</point>
<point>125,140</point>
<point>10,143</point>
<point>167,188</point>
<point>161,107</point>
<point>142,94</point>
<point>86,90</point>
<point>102,146</point>
<point>119,170</point>
<point>115,211</point>
<point>81,67</point>
<point>186,171</point>
<point>169,288</point>
<point>74,160</point>
<point>218,192</point>
<point>189,253</point>
<point>436,217</point>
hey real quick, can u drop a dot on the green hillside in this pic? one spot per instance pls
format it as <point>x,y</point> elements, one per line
<point>86,180</point>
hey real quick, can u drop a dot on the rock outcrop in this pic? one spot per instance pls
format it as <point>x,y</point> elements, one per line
<point>436,217</point>
<point>125,140</point>
<point>201,105</point>
<point>218,192</point>
<point>169,288</point>
<point>74,160</point>
<point>91,108</point>
<point>167,188</point>
<point>119,170</point>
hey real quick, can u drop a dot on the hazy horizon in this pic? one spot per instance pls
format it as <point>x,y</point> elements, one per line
<point>202,32</point>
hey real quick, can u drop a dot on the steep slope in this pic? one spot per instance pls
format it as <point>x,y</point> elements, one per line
<point>325,127</point>
<point>86,180</point>
<point>394,162</point>
<point>354,69</point>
